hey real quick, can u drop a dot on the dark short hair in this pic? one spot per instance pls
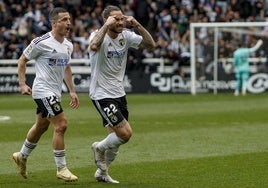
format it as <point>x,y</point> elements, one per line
<point>106,12</point>
<point>53,15</point>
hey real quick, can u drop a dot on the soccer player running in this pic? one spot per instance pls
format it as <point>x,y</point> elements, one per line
<point>108,54</point>
<point>51,53</point>
<point>242,67</point>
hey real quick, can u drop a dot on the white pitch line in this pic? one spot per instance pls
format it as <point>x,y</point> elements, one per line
<point>4,118</point>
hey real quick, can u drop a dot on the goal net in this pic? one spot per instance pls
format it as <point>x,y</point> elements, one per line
<point>212,46</point>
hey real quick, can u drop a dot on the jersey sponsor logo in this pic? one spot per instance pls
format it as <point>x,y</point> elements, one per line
<point>109,54</point>
<point>58,62</point>
<point>62,62</point>
<point>52,62</point>
<point>115,54</point>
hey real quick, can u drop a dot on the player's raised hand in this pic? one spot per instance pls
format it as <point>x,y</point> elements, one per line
<point>260,41</point>
<point>110,20</point>
<point>130,20</point>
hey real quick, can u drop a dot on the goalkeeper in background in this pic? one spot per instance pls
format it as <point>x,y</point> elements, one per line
<point>242,67</point>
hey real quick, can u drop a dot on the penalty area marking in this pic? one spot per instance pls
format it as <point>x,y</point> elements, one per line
<point>4,118</point>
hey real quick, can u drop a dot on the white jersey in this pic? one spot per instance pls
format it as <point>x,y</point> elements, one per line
<point>51,58</point>
<point>108,65</point>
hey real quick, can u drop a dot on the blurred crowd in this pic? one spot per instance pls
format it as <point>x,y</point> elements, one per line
<point>167,20</point>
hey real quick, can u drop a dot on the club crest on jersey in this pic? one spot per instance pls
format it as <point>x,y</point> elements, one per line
<point>68,51</point>
<point>122,42</point>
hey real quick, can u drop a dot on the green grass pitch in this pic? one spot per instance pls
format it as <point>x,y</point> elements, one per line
<point>179,141</point>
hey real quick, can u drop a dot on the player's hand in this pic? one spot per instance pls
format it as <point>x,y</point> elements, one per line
<point>130,20</point>
<point>25,89</point>
<point>260,41</point>
<point>110,20</point>
<point>74,103</point>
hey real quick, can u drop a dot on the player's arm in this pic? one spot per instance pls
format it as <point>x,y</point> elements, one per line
<point>257,46</point>
<point>147,40</point>
<point>74,103</point>
<point>97,40</point>
<point>25,89</point>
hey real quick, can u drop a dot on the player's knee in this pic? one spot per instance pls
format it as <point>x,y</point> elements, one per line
<point>61,126</point>
<point>126,135</point>
<point>123,130</point>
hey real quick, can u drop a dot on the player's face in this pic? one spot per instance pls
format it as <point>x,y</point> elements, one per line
<point>117,27</point>
<point>63,24</point>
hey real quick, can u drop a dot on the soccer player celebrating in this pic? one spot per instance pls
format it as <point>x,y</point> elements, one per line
<point>108,54</point>
<point>241,64</point>
<point>51,53</point>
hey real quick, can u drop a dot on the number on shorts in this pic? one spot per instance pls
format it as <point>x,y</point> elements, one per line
<point>52,100</point>
<point>110,110</point>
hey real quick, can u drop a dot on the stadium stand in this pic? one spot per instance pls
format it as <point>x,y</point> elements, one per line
<point>167,21</point>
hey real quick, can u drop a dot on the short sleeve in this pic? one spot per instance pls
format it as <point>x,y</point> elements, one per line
<point>133,38</point>
<point>31,51</point>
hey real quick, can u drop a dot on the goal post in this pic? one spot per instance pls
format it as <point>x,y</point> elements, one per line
<point>216,29</point>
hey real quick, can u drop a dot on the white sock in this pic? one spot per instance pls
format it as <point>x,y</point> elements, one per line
<point>60,160</point>
<point>110,142</point>
<point>110,155</point>
<point>27,148</point>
